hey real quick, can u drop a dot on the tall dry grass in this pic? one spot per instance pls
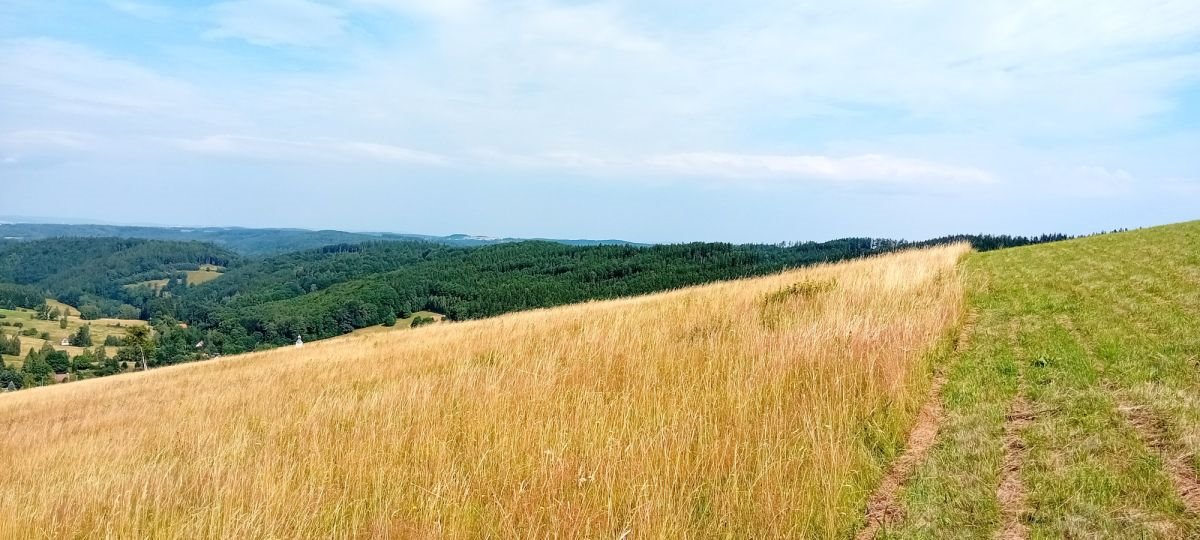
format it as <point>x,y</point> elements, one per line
<point>756,408</point>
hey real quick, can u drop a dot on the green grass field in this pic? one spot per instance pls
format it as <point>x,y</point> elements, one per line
<point>1074,411</point>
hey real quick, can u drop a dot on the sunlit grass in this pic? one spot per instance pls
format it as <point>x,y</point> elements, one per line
<point>754,408</point>
<point>1079,330</point>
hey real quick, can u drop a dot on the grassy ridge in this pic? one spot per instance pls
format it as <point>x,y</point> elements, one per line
<point>1071,337</point>
<point>765,407</point>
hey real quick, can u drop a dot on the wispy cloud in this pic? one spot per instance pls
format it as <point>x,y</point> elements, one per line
<point>141,10</point>
<point>63,75</point>
<point>278,22</point>
<point>307,150</point>
<point>863,168</point>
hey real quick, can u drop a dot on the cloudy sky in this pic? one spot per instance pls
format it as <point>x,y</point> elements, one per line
<point>663,120</point>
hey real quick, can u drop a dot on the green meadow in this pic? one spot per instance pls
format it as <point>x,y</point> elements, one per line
<point>1074,410</point>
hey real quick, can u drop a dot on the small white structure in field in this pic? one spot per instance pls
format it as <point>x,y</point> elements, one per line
<point>200,344</point>
<point>66,342</point>
<point>299,341</point>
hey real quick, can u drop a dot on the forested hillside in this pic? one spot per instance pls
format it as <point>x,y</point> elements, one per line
<point>336,289</point>
<point>95,271</point>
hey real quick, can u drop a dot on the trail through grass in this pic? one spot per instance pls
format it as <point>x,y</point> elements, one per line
<point>1070,337</point>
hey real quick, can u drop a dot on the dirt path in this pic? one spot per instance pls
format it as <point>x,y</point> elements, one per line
<point>1154,435</point>
<point>882,507</point>
<point>1011,492</point>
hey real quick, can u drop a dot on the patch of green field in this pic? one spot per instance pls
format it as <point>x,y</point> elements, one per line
<point>1079,332</point>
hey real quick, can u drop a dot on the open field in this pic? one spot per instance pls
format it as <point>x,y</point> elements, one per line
<point>70,311</point>
<point>766,407</point>
<point>400,323</point>
<point>1075,410</point>
<point>101,328</point>
<point>204,275</point>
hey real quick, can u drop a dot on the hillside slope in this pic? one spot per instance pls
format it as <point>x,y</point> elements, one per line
<point>96,270</point>
<point>765,407</point>
<point>1075,410</point>
<point>328,292</point>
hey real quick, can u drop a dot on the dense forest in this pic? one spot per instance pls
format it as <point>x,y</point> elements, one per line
<point>262,302</point>
<point>95,272</point>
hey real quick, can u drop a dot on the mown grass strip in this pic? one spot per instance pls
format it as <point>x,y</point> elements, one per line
<point>1081,328</point>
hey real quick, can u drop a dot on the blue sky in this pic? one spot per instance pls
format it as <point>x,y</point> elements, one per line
<point>646,120</point>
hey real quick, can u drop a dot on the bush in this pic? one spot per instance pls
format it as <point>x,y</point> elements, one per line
<point>44,336</point>
<point>113,341</point>
<point>29,332</point>
<point>82,337</point>
<point>59,361</point>
<point>89,312</point>
<point>389,319</point>
<point>422,320</point>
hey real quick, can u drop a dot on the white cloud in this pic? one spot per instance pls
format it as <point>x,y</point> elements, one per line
<point>49,139</point>
<point>70,77</point>
<point>278,22</point>
<point>306,150</point>
<point>436,9</point>
<point>591,86</point>
<point>141,10</point>
<point>868,168</point>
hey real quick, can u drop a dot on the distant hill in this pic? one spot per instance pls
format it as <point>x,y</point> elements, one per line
<point>94,271</point>
<point>256,242</point>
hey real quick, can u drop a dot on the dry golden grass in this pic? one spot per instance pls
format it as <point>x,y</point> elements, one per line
<point>756,408</point>
<point>205,274</point>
